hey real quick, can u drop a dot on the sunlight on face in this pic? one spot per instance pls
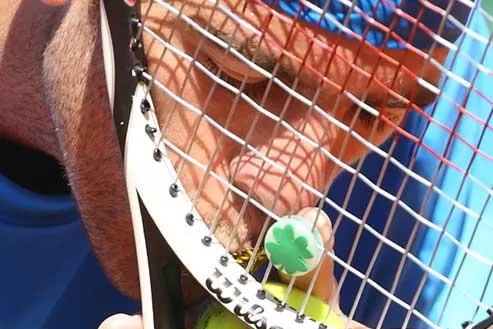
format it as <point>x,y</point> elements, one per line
<point>322,71</point>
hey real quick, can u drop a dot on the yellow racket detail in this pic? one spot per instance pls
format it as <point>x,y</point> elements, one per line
<point>242,257</point>
<point>218,317</point>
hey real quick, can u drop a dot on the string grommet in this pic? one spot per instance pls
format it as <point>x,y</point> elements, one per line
<point>135,44</point>
<point>223,260</point>
<point>157,155</point>
<point>206,240</point>
<point>150,130</point>
<point>280,307</point>
<point>173,190</point>
<point>261,294</point>
<point>243,279</point>
<point>138,71</point>
<point>145,106</point>
<point>189,219</point>
<point>135,22</point>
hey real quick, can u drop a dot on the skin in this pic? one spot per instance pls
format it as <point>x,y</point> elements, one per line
<point>60,108</point>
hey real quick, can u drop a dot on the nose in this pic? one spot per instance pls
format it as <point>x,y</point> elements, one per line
<point>278,185</point>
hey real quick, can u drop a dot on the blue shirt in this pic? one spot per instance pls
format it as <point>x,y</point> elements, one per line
<point>49,277</point>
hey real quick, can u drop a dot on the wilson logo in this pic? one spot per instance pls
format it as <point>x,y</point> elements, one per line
<point>227,293</point>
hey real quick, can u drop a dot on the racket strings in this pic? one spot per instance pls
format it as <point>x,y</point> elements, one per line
<point>344,145</point>
<point>447,221</point>
<point>413,232</point>
<point>459,191</point>
<point>217,217</point>
<point>375,185</point>
<point>359,166</point>
<point>267,272</point>
<point>453,48</point>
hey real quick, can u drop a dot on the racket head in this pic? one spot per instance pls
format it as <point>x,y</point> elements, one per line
<point>151,156</point>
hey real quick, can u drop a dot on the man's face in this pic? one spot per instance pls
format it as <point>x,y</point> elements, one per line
<point>320,66</point>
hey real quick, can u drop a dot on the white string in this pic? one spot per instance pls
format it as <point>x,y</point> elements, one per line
<point>324,114</point>
<point>341,164</point>
<point>347,214</point>
<point>377,190</point>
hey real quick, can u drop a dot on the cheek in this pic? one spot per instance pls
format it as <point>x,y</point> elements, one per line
<point>350,147</point>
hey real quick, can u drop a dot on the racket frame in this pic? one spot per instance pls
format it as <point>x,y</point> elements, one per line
<point>147,163</point>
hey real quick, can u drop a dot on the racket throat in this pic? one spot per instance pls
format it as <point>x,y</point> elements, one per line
<point>164,277</point>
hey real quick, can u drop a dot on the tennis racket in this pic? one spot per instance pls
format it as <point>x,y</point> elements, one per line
<point>234,116</point>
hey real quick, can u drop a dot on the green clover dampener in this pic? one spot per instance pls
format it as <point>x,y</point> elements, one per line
<point>293,247</point>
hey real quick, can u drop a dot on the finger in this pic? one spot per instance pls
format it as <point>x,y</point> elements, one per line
<point>325,286</point>
<point>323,223</point>
<point>355,325</point>
<point>122,321</point>
<point>54,2</point>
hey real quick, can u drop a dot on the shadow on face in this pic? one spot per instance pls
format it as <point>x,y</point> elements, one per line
<point>301,111</point>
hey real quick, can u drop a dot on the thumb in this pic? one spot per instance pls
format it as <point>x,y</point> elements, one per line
<point>122,321</point>
<point>54,2</point>
<point>325,286</point>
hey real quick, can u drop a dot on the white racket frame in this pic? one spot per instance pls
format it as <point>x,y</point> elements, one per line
<point>150,179</point>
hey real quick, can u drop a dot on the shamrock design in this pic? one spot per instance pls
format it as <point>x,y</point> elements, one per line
<point>288,253</point>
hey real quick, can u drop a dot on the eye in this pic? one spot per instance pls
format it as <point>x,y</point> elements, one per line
<point>393,112</point>
<point>368,119</point>
<point>252,85</point>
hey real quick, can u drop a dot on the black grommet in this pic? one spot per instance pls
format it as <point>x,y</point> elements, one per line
<point>466,324</point>
<point>189,219</point>
<point>139,70</point>
<point>150,130</point>
<point>280,307</point>
<point>134,21</point>
<point>300,318</point>
<point>173,190</point>
<point>135,44</point>
<point>243,279</point>
<point>261,294</point>
<point>490,311</point>
<point>322,326</point>
<point>145,106</point>
<point>223,260</point>
<point>157,155</point>
<point>206,240</point>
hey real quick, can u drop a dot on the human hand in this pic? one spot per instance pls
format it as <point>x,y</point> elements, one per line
<point>61,2</point>
<point>54,2</point>
<point>325,287</point>
<point>122,321</point>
